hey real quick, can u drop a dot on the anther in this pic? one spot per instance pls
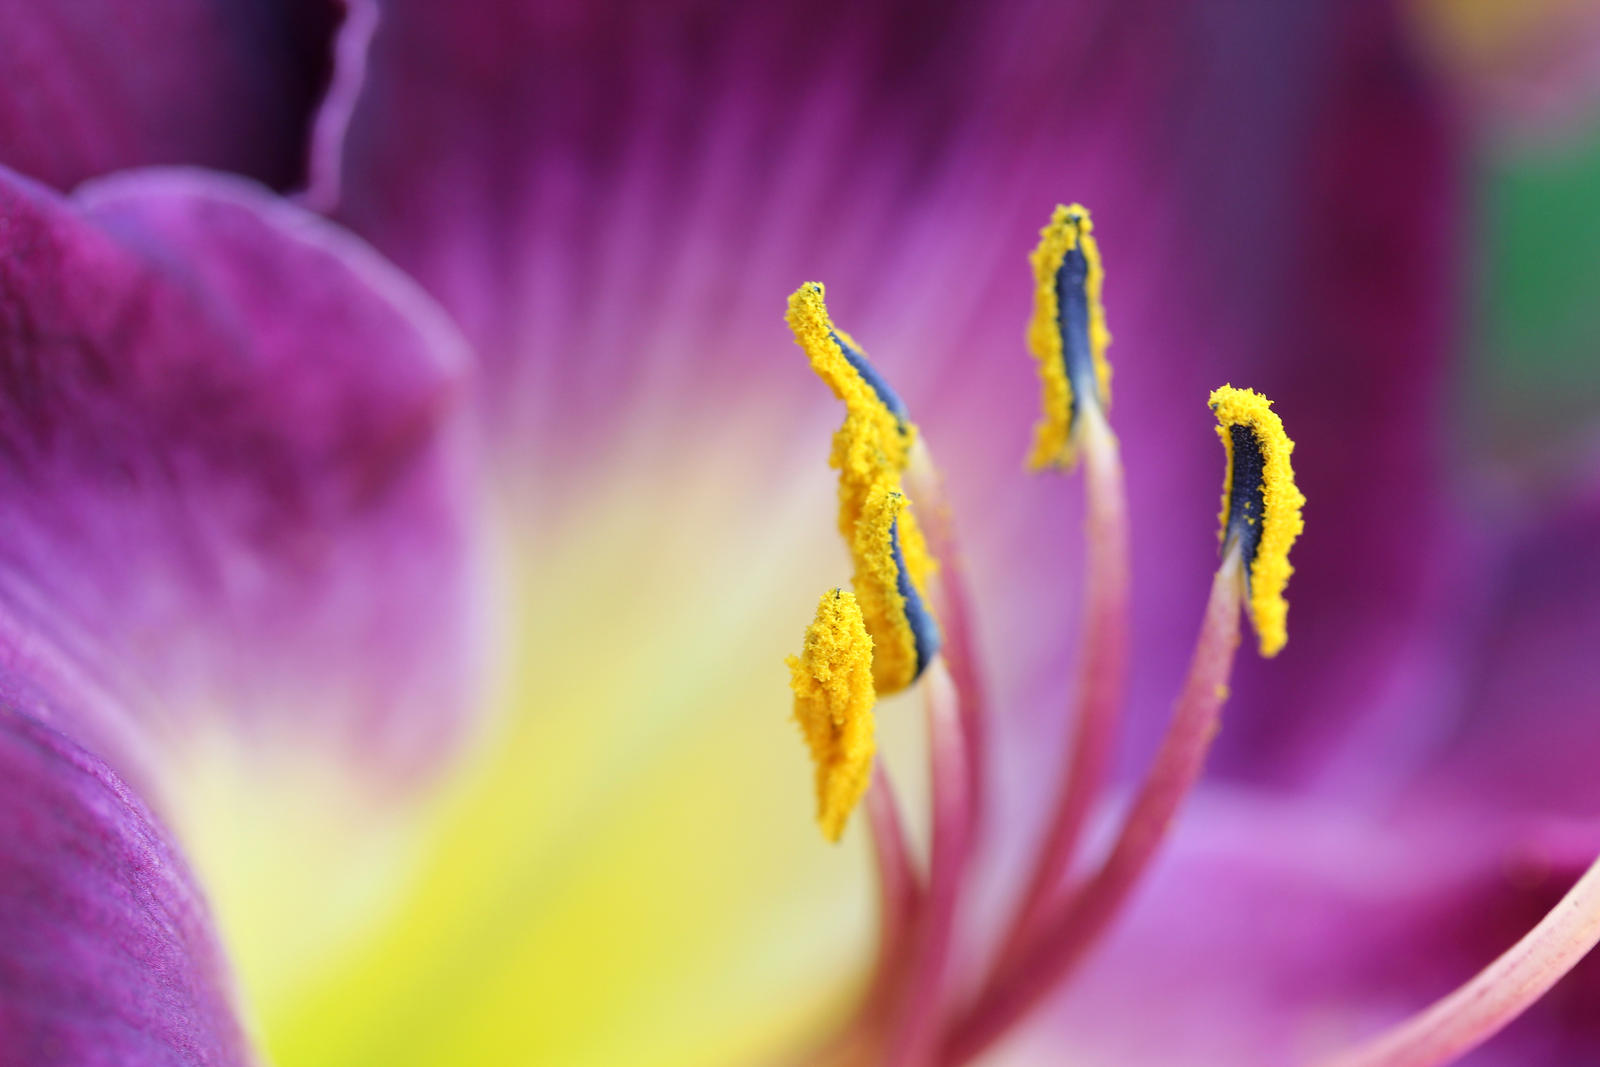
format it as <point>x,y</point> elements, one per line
<point>1260,505</point>
<point>833,699</point>
<point>871,451</point>
<point>1067,333</point>
<point>892,568</point>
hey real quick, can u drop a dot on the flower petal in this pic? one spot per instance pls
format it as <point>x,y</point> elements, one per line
<point>1354,265</point>
<point>1277,932</point>
<point>1520,734</point>
<point>613,202</point>
<point>106,953</point>
<point>615,243</point>
<point>240,494</point>
<point>234,472</point>
<point>98,86</point>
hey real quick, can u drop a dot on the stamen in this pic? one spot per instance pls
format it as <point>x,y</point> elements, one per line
<point>858,362</point>
<point>892,568</point>
<point>1067,333</point>
<point>1068,255</point>
<point>952,603</point>
<point>833,698</point>
<point>900,899</point>
<point>1465,1019</point>
<point>1065,940</point>
<point>1099,688</point>
<point>900,889</point>
<point>879,442</point>
<point>871,451</point>
<point>1260,505</point>
<point>916,1030</point>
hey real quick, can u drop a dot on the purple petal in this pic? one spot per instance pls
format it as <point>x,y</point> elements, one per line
<point>106,953</point>
<point>613,205</point>
<point>98,86</point>
<point>1355,268</point>
<point>1521,733</point>
<point>1275,932</point>
<point>234,468</point>
<point>1528,70</point>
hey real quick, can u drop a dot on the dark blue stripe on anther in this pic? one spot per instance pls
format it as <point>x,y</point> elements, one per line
<point>924,628</point>
<point>1247,495</point>
<point>874,380</point>
<point>1072,320</point>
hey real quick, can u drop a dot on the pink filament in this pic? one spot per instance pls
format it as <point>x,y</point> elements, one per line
<point>1102,677</point>
<point>899,887</point>
<point>952,607</point>
<point>1463,1020</point>
<point>915,1031</point>
<point>1065,938</point>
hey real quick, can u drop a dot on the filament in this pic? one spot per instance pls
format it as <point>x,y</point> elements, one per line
<point>1102,676</point>
<point>953,607</point>
<point>1466,1018</point>
<point>916,1029</point>
<point>1066,937</point>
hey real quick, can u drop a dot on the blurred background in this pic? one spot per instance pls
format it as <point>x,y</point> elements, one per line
<point>1385,216</point>
<point>1530,75</point>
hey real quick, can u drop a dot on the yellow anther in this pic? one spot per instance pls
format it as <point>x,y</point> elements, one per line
<point>1067,333</point>
<point>875,441</point>
<point>870,451</point>
<point>833,698</point>
<point>1260,504</point>
<point>842,363</point>
<point>892,601</point>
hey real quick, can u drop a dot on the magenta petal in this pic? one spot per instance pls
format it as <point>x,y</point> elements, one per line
<point>94,85</point>
<point>613,203</point>
<point>234,465</point>
<point>1274,932</point>
<point>106,953</point>
<point>1522,733</point>
<point>1352,257</point>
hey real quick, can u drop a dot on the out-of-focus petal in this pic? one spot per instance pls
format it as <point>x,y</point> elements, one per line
<point>106,953</point>
<point>1276,931</point>
<point>94,86</point>
<point>1530,69</point>
<point>240,494</point>
<point>1520,733</point>
<point>1354,267</point>
<point>233,466</point>
<point>611,201</point>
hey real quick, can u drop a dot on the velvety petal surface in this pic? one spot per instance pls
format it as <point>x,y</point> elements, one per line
<point>1275,932</point>
<point>94,86</point>
<point>613,201</point>
<point>239,499</point>
<point>107,958</point>
<point>1518,733</point>
<point>222,417</point>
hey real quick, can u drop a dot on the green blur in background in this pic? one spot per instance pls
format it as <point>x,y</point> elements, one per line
<point>1533,336</point>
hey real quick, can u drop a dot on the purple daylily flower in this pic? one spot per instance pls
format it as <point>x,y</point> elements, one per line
<point>482,481</point>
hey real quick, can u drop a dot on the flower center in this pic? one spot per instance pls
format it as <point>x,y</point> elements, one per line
<point>910,1016</point>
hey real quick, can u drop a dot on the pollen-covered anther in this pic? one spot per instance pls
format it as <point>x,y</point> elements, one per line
<point>874,443</point>
<point>840,362</point>
<point>1260,505</point>
<point>871,451</point>
<point>833,699</point>
<point>892,570</point>
<point>1067,333</point>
